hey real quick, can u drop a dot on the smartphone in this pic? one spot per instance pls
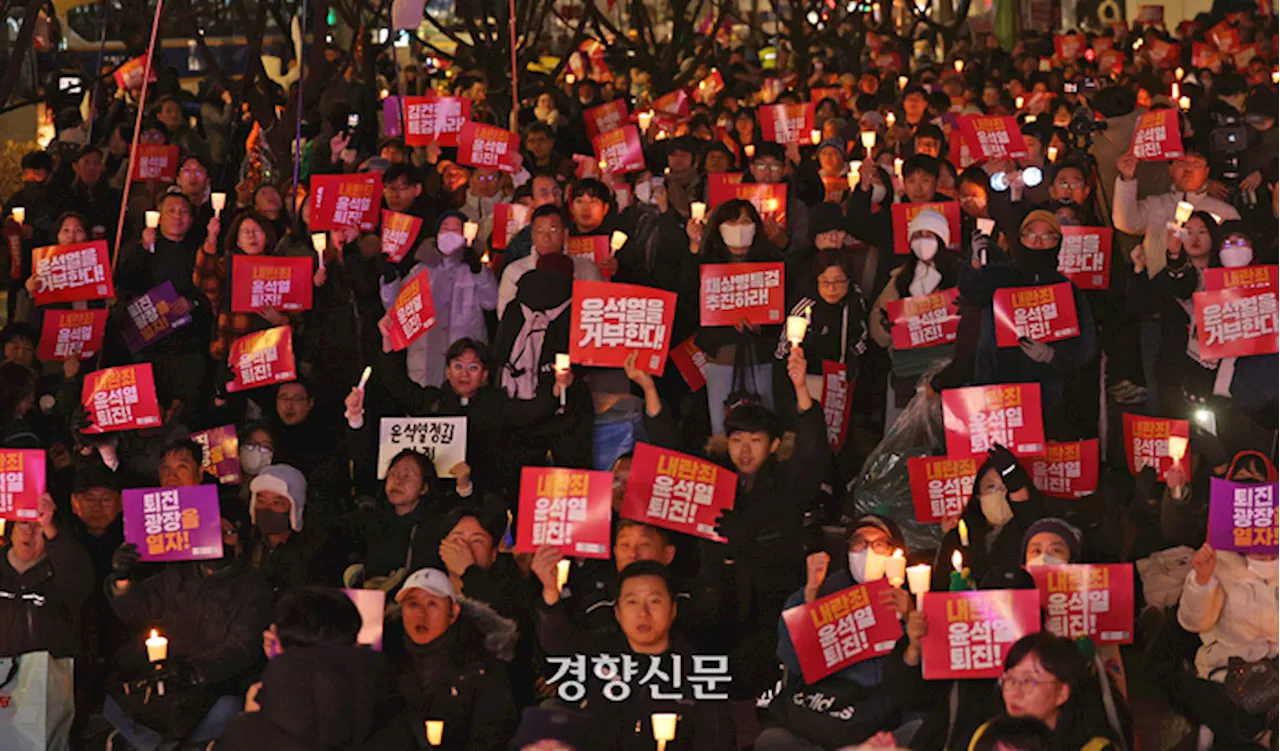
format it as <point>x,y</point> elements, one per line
<point>70,85</point>
<point>1070,87</point>
<point>353,122</point>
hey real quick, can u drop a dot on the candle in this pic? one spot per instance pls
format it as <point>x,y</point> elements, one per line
<point>868,139</point>
<point>897,167</point>
<point>1030,119</point>
<point>152,219</point>
<point>662,135</point>
<point>1176,91</point>
<point>617,240</point>
<point>469,231</point>
<point>1184,103</point>
<point>797,327</point>
<point>697,211</point>
<point>1275,76</point>
<point>1136,44</point>
<point>157,647</point>
<point>855,173</point>
<point>319,240</point>
<point>895,568</point>
<point>903,81</point>
<point>384,93</point>
<point>918,581</point>
<point>1019,101</point>
<point>986,227</point>
<point>364,377</point>
<point>603,165</point>
<point>562,362</point>
<point>435,728</point>
<point>750,150</point>
<point>771,205</point>
<point>644,118</point>
<point>562,573</point>
<point>219,202</point>
<point>959,578</point>
<point>959,66</point>
<point>890,119</point>
<point>569,79</point>
<point>1052,153</point>
<point>815,136</point>
<point>20,214</point>
<point>963,529</point>
<point>664,728</point>
<point>1177,448</point>
<point>1183,212</point>
<point>957,560</point>
<point>1177,73</point>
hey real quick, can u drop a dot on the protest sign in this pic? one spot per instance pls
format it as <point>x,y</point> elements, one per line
<point>941,486</point>
<point>710,87</point>
<point>22,482</point>
<point>1044,314</point>
<point>786,123</point>
<point>674,104</point>
<point>488,147</point>
<point>1085,256</point>
<point>769,199</point>
<point>120,398</point>
<point>970,632</point>
<point>566,508</point>
<point>153,316</point>
<point>1151,14</point>
<point>978,417</point>
<point>903,213</point>
<point>443,440</point>
<point>1147,441</point>
<point>433,118</point>
<point>1067,470</point>
<point>610,321</point>
<point>606,117</point>
<point>1205,55</point>
<point>836,402</point>
<point>399,232</point>
<point>1242,517</point>
<point>595,247</point>
<point>1225,36</point>
<point>221,453</point>
<point>129,75</point>
<point>71,333</point>
<point>1237,322</point>
<point>842,629</point>
<point>691,362</point>
<point>1164,54</point>
<point>1068,47</point>
<point>718,185</point>
<point>155,162</point>
<point>413,312</point>
<point>339,201</point>
<point>620,150</point>
<point>991,137</point>
<point>925,320</point>
<point>392,116</point>
<point>1087,600</point>
<point>1157,136</point>
<point>263,358</point>
<point>280,282</point>
<point>675,491</point>
<point>1249,277</point>
<point>72,272</point>
<point>732,292</point>
<point>508,220</point>
<point>173,524</point>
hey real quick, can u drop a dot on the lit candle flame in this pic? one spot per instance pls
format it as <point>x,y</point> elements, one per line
<point>957,560</point>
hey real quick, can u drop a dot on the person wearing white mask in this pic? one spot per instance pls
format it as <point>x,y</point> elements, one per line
<point>1051,542</point>
<point>257,451</point>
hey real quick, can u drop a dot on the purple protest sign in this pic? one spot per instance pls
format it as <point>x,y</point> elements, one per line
<point>221,452</point>
<point>151,317</point>
<point>174,524</point>
<point>1242,517</point>
<point>391,117</point>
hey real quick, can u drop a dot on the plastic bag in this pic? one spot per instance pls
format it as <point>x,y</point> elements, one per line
<point>36,705</point>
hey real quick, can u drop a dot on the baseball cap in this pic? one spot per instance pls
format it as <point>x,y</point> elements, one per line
<point>430,580</point>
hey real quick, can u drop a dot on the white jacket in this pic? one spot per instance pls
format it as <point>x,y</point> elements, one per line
<point>1151,216</point>
<point>1236,614</point>
<point>584,270</point>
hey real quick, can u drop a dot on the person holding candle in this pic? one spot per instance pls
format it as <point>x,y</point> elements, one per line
<point>837,329</point>
<point>38,209</point>
<point>869,215</point>
<point>249,234</point>
<point>89,194</point>
<point>771,164</point>
<point>1052,542</point>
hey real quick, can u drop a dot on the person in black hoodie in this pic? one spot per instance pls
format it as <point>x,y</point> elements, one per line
<point>36,228</point>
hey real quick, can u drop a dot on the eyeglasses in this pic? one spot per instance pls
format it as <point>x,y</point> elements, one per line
<point>466,367</point>
<point>486,178</point>
<point>293,399</point>
<point>256,447</point>
<point>859,544</point>
<point>1021,684</point>
<point>834,283</point>
<point>1236,243</point>
<point>1049,238</point>
<point>770,167</point>
<point>193,171</point>
<point>1068,186</point>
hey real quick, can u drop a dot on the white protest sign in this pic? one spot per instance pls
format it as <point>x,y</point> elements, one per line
<point>443,439</point>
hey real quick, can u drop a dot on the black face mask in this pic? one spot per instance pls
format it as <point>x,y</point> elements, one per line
<point>1037,261</point>
<point>272,522</point>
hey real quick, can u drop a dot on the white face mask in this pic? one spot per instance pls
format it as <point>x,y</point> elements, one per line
<point>449,242</point>
<point>925,248</point>
<point>866,565</point>
<point>738,235</point>
<point>878,192</point>
<point>1044,559</point>
<point>1267,570</point>
<point>1236,256</point>
<point>253,461</point>
<point>995,507</point>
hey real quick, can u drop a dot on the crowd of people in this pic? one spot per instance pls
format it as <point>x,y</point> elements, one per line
<point>263,648</point>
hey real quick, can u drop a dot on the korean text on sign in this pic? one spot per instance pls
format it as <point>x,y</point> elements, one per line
<point>1242,517</point>
<point>566,508</point>
<point>836,404</point>
<point>441,439</point>
<point>71,333</point>
<point>429,118</point>
<point>1085,256</point>
<point>926,320</point>
<point>606,117</point>
<point>621,150</point>
<point>733,291</point>
<point>993,137</point>
<point>1147,442</point>
<point>121,398</point>
<point>842,629</point>
<point>153,317</point>
<point>1067,470</point>
<point>68,273</point>
<point>665,676</point>
<point>341,201</point>
<point>173,524</point>
<point>787,123</point>
<point>488,147</point>
<point>675,491</point>
<point>1044,314</point>
<point>258,282</point>
<point>262,358</point>
<point>398,233</point>
<point>220,449</point>
<point>941,486</point>
<point>1246,276</point>
<point>412,313</point>
<point>1237,322</point>
<point>22,482</point>
<point>610,321</point>
<point>970,632</point>
<point>978,417</point>
<point>1087,600</point>
<point>691,362</point>
<point>1157,136</point>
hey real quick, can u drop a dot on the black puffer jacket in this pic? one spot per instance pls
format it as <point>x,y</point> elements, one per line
<point>40,608</point>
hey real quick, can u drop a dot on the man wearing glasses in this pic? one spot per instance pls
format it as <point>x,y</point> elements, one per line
<point>549,229</point>
<point>770,165</point>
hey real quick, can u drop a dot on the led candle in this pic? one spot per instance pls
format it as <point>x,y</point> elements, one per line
<point>895,568</point>
<point>890,119</point>
<point>617,240</point>
<point>1176,91</point>
<point>562,573</point>
<point>750,150</point>
<point>868,139</point>
<point>1183,212</point>
<point>219,202</point>
<point>435,728</point>
<point>697,210</point>
<point>855,173</point>
<point>918,577</point>
<point>664,728</point>
<point>903,81</point>
<point>319,240</point>
<point>364,377</point>
<point>157,647</point>
<point>815,136</point>
<point>1177,73</point>
<point>152,219</point>
<point>1018,101</point>
<point>897,167</point>
<point>20,214</point>
<point>569,79</point>
<point>1184,103</point>
<point>963,530</point>
<point>644,118</point>
<point>797,327</point>
<point>959,66</point>
<point>469,231</point>
<point>1052,153</point>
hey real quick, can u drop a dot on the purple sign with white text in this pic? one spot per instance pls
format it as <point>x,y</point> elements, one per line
<point>1242,516</point>
<point>221,452</point>
<point>152,317</point>
<point>174,524</point>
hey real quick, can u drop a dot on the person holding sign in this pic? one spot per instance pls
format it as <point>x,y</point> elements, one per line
<point>870,220</point>
<point>549,227</point>
<point>250,234</point>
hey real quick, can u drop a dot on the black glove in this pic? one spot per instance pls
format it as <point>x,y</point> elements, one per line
<point>123,561</point>
<point>980,246</point>
<point>387,271</point>
<point>731,526</point>
<point>1003,461</point>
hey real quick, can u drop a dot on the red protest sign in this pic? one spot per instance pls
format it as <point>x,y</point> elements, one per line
<point>674,104</point>
<point>567,508</point>
<point>1246,276</point>
<point>786,123</point>
<point>1085,256</point>
<point>606,117</point>
<point>1146,441</point>
<point>732,292</point>
<point>835,94</point>
<point>1163,54</point>
<point>155,162</point>
<point>941,486</point>
<point>121,398</point>
<point>71,333</point>
<point>610,321</point>
<point>691,362</point>
<point>675,491</point>
<point>488,147</point>
<point>926,320</point>
<point>718,185</point>
<point>1244,55</point>
<point>22,482</point>
<point>710,86</point>
<point>595,247</point>
<point>620,150</point>
<point>903,213</point>
<point>339,201</point>
<point>1157,136</point>
<point>1205,55</point>
<point>263,358</point>
<point>280,282</point>
<point>129,75</point>
<point>1067,470</point>
<point>1068,46</point>
<point>1094,600</point>
<point>1225,36</point>
<point>836,402</point>
<point>978,417</point>
<point>1110,62</point>
<point>508,220</point>
<point>1237,322</point>
<point>76,271</point>
<point>1151,14</point>
<point>769,199</point>
<point>398,234</point>
<point>991,137</point>
<point>412,313</point>
<point>438,119</point>
<point>1045,314</point>
<point>842,629</point>
<point>970,632</point>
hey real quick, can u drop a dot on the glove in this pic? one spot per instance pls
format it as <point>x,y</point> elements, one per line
<point>885,320</point>
<point>980,246</point>
<point>1011,472</point>
<point>123,561</point>
<point>731,526</point>
<point>1037,351</point>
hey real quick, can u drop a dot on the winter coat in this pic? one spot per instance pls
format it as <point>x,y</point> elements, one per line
<point>306,557</point>
<point>1151,216</point>
<point>40,608</point>
<point>1235,614</point>
<point>584,270</point>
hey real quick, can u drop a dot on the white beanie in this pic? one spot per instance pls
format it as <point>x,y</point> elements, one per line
<point>930,220</point>
<point>288,482</point>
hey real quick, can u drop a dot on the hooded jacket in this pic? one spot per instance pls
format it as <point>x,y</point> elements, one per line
<point>40,608</point>
<point>306,555</point>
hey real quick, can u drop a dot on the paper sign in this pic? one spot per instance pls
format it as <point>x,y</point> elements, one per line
<point>1249,277</point>
<point>173,524</point>
<point>970,632</point>
<point>430,119</point>
<point>1147,442</point>
<point>263,358</point>
<point>1085,256</point>
<point>151,317</point>
<point>443,440</point>
<point>508,220</point>
<point>1242,517</point>
<point>412,313</point>
<point>22,482</point>
<point>675,491</point>
<point>399,231</point>
<point>129,75</point>
<point>710,87</point>
<point>836,402</point>
<point>566,508</point>
<point>732,292</point>
<point>1237,322</point>
<point>155,161</point>
<point>941,486</point>
<point>339,201</point>
<point>1244,55</point>
<point>71,333</point>
<point>1206,56</point>
<point>842,629</point>
<point>280,282</point>
<point>1163,54</point>
<point>1067,470</point>
<point>718,184</point>
<point>1157,136</point>
<point>621,150</point>
<point>72,272</point>
<point>674,104</point>
<point>372,604</point>
<point>606,117</point>
<point>769,199</point>
<point>1225,36</point>
<point>221,455</point>
<point>903,213</point>
<point>1068,47</point>
<point>595,247</point>
<point>836,94</point>
<point>121,398</point>
<point>786,123</point>
<point>392,114</point>
<point>924,321</point>
<point>611,321</point>
<point>691,362</point>
<point>1087,600</point>
<point>990,137</point>
<point>978,417</point>
<point>1151,14</point>
<point>1044,314</point>
<point>488,147</point>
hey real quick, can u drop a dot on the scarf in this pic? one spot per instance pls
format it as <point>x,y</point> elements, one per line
<point>520,376</point>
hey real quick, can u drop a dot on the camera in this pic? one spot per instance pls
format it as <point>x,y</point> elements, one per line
<point>1230,135</point>
<point>1083,125</point>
